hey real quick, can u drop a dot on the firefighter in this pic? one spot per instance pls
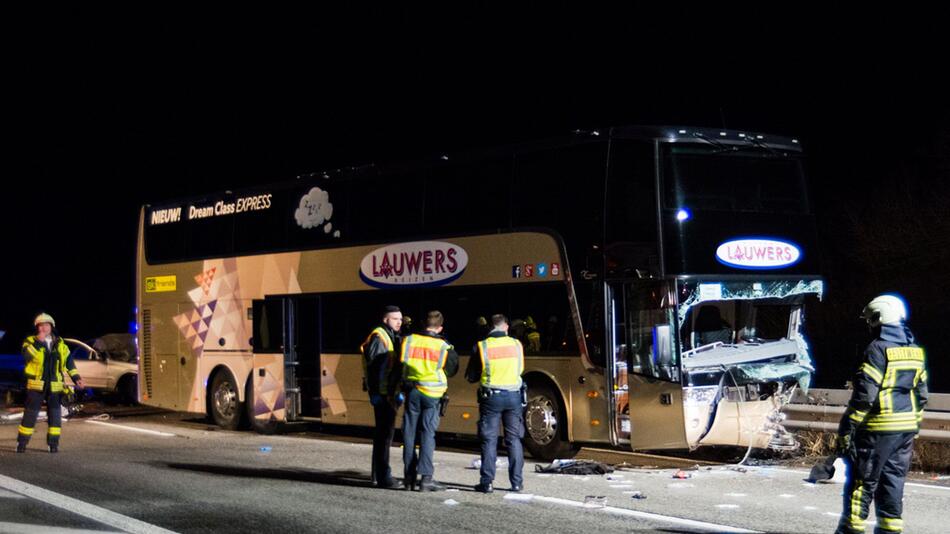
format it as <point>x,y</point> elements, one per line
<point>46,357</point>
<point>498,367</point>
<point>532,336</point>
<point>379,355</point>
<point>877,431</point>
<point>427,362</point>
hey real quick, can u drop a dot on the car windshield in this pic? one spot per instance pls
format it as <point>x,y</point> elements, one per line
<point>78,352</point>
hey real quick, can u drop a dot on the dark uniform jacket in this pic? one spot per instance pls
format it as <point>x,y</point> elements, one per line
<point>890,388</point>
<point>382,374</point>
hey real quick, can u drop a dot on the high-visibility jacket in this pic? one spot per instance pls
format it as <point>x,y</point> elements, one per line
<point>37,357</point>
<point>423,358</point>
<point>502,362</point>
<point>377,360</point>
<point>890,389</point>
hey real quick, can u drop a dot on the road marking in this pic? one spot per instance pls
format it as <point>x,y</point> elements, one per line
<point>29,527</point>
<point>702,525</point>
<point>9,495</point>
<point>132,428</point>
<point>91,511</point>
<point>928,486</point>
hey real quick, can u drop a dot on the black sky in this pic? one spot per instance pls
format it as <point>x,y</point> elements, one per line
<point>112,110</point>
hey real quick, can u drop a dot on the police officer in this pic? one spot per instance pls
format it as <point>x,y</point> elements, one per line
<point>46,358</point>
<point>379,356</point>
<point>427,362</point>
<point>497,363</point>
<point>876,434</point>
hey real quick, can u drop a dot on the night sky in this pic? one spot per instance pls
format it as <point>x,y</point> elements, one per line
<point>106,116</point>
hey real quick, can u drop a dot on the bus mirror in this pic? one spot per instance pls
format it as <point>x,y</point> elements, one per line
<point>662,345</point>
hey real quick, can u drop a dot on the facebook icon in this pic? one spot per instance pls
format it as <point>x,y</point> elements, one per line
<point>516,271</point>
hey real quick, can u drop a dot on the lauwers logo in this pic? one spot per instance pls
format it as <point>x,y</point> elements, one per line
<point>421,263</point>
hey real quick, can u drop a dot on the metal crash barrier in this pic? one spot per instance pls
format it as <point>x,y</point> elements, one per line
<point>821,410</point>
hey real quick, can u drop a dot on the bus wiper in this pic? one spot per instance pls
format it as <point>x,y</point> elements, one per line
<point>713,142</point>
<point>761,144</point>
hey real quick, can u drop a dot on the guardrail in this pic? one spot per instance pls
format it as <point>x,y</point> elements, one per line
<point>821,410</point>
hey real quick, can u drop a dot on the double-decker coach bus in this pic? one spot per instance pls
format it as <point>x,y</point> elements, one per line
<point>657,277</point>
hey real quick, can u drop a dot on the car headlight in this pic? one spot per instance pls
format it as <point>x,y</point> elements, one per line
<point>700,394</point>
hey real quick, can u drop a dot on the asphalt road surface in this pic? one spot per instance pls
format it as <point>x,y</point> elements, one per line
<point>159,472</point>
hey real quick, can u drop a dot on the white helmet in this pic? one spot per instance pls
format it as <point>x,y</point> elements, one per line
<point>44,318</point>
<point>885,309</point>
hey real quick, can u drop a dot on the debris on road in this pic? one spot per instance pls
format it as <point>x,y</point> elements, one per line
<point>450,502</point>
<point>575,467</point>
<point>595,501</point>
<point>638,495</point>
<point>682,475</point>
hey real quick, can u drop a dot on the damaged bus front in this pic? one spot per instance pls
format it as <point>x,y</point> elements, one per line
<point>743,354</point>
<point>709,339</point>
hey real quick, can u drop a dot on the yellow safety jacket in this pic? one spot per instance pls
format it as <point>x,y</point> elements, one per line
<point>423,358</point>
<point>502,362</point>
<point>36,355</point>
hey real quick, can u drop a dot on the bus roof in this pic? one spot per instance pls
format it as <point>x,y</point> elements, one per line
<point>671,134</point>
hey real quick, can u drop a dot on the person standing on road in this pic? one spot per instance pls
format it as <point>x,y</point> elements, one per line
<point>379,356</point>
<point>428,360</point>
<point>46,357</point>
<point>877,431</point>
<point>498,367</point>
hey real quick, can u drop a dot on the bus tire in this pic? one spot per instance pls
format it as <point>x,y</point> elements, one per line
<point>260,426</point>
<point>128,389</point>
<point>545,434</point>
<point>224,402</point>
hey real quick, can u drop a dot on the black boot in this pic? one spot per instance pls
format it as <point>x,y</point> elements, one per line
<point>21,446</point>
<point>428,484</point>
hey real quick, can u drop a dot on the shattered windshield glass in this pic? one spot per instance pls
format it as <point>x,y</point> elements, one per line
<point>751,329</point>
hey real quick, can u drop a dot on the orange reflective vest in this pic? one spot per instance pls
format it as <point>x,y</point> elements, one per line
<point>502,362</point>
<point>423,358</point>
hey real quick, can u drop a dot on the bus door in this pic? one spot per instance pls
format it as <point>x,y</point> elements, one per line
<point>654,391</point>
<point>286,358</point>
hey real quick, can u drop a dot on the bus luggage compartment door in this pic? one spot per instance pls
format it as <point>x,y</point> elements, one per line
<point>287,355</point>
<point>303,358</point>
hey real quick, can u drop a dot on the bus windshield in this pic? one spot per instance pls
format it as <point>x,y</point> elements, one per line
<point>751,180</point>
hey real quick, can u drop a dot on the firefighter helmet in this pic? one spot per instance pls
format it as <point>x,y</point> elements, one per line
<point>44,318</point>
<point>885,309</point>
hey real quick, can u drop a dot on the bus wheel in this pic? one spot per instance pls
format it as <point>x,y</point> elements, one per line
<point>225,403</point>
<point>128,389</point>
<point>262,426</point>
<point>546,425</point>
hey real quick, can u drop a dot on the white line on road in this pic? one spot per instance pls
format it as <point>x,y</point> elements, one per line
<point>4,494</point>
<point>712,527</point>
<point>133,429</point>
<point>46,529</point>
<point>91,511</point>
<point>928,486</point>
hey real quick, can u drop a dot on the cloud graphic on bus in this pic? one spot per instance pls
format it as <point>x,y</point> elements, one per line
<point>315,209</point>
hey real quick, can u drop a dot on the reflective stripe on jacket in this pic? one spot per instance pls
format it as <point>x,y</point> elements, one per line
<point>423,358</point>
<point>502,362</point>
